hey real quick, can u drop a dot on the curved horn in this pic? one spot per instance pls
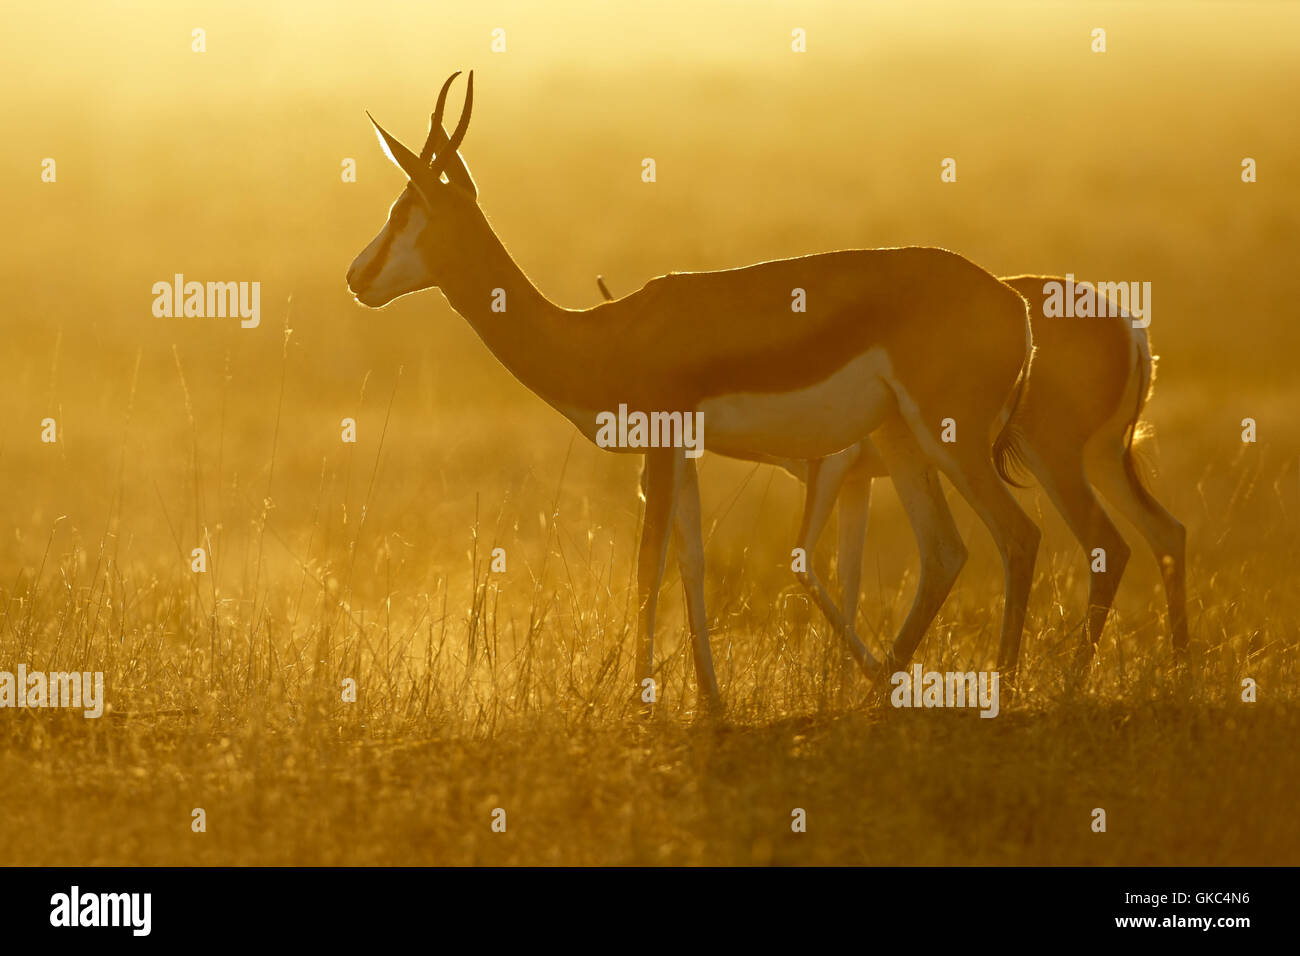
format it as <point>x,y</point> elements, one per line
<point>435,121</point>
<point>449,148</point>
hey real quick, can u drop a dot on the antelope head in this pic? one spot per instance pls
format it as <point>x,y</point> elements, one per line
<point>423,237</point>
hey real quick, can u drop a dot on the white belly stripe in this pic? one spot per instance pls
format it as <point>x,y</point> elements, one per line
<point>810,422</point>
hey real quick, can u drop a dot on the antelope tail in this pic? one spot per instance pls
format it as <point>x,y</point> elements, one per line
<point>1008,447</point>
<point>1145,371</point>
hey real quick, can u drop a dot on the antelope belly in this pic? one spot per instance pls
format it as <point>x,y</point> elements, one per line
<point>810,422</point>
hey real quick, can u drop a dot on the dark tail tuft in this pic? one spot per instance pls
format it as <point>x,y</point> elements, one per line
<point>1131,470</point>
<point>1009,456</point>
<point>1008,447</point>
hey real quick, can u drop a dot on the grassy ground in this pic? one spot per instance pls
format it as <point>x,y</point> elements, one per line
<point>481,690</point>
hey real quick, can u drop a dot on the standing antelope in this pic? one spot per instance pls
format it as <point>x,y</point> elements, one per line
<point>1092,378</point>
<point>893,341</point>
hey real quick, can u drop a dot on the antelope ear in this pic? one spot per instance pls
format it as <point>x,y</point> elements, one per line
<point>403,159</point>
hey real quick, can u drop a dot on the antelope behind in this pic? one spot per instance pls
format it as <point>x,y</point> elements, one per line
<point>1092,379</point>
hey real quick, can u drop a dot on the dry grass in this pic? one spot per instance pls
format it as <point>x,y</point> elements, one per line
<point>369,561</point>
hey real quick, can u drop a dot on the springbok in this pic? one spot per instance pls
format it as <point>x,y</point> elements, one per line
<point>1092,379</point>
<point>892,342</point>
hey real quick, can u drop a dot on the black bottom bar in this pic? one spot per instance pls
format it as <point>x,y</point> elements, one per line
<point>741,906</point>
